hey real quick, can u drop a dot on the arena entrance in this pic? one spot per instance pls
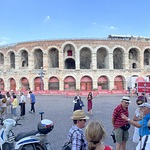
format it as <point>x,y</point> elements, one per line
<point>86,84</point>
<point>12,84</point>
<point>1,84</point>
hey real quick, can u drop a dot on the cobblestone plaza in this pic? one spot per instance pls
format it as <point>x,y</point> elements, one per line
<point>59,109</point>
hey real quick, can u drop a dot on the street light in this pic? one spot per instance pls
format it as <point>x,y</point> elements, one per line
<point>41,74</point>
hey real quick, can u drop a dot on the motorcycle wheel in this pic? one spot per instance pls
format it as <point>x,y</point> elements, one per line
<point>33,147</point>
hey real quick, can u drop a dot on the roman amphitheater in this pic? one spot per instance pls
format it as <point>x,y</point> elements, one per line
<point>75,64</point>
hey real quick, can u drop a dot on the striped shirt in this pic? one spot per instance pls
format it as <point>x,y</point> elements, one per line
<point>118,121</point>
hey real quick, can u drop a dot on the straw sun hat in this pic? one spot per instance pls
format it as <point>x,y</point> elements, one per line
<point>79,115</point>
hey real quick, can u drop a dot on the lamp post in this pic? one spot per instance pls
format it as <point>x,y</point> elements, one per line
<point>41,74</point>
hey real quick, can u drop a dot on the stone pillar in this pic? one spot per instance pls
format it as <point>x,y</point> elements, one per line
<point>110,61</point>
<point>94,61</point>
<point>6,63</point>
<point>95,85</point>
<point>77,60</point>
<point>31,61</point>
<point>17,62</point>
<point>126,61</point>
<point>141,60</point>
<point>45,81</point>
<point>111,84</point>
<point>61,61</point>
<point>45,61</point>
<point>77,84</point>
<point>61,83</point>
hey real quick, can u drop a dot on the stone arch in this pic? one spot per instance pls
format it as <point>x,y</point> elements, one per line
<point>102,58</point>
<point>69,56</point>
<point>103,83</point>
<point>24,58</point>
<point>2,85</point>
<point>38,58</point>
<point>53,83</point>
<point>12,82</point>
<point>86,83</point>
<point>69,83</point>
<point>134,60</point>
<point>69,43</point>
<point>12,59</point>
<point>1,59</point>
<point>85,58</point>
<point>38,84</point>
<point>119,83</point>
<point>69,63</point>
<point>147,57</point>
<point>53,58</point>
<point>24,84</point>
<point>118,58</point>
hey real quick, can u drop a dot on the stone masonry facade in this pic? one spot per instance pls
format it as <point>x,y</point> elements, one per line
<point>73,64</point>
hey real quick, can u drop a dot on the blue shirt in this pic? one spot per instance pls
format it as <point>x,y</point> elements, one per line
<point>143,130</point>
<point>78,139</point>
<point>32,97</point>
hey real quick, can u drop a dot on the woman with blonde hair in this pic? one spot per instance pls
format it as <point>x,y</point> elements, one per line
<point>95,133</point>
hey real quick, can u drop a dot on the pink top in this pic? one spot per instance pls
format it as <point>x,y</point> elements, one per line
<point>107,148</point>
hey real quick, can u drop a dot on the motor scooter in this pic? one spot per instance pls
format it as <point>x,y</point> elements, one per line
<point>33,140</point>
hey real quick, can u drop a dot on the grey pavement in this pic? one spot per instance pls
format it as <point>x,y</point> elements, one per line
<point>59,109</point>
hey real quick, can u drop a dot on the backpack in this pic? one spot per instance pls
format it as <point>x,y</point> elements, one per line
<point>68,145</point>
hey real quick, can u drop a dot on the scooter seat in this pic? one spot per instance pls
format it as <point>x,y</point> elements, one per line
<point>25,134</point>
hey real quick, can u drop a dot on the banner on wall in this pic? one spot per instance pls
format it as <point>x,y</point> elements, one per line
<point>143,87</point>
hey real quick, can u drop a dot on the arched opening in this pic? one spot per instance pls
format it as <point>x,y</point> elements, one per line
<point>69,83</point>
<point>86,84</point>
<point>147,57</point>
<point>69,52</point>
<point>134,60</point>
<point>118,83</point>
<point>53,58</point>
<point>38,59</point>
<point>1,84</point>
<point>24,84</point>
<point>102,83</point>
<point>69,63</point>
<point>12,60</point>
<point>1,58</point>
<point>53,83</point>
<point>24,58</point>
<point>38,84</point>
<point>118,59</point>
<point>85,58</point>
<point>102,59</point>
<point>134,66</point>
<point>12,84</point>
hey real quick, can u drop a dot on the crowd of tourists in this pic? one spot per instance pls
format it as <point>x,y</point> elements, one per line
<point>10,102</point>
<point>92,138</point>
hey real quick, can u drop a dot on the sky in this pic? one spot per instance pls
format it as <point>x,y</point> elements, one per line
<point>33,20</point>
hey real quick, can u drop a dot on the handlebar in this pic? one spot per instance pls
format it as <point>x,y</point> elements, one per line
<point>41,113</point>
<point>1,121</point>
<point>17,122</point>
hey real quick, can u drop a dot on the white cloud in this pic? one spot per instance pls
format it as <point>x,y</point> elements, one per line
<point>4,40</point>
<point>94,23</point>
<point>112,28</point>
<point>46,19</point>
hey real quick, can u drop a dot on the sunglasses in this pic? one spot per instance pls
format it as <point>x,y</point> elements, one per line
<point>83,120</point>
